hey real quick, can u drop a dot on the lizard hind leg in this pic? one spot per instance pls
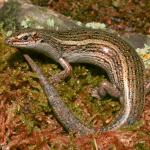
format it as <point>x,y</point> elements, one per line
<point>105,88</point>
<point>63,74</point>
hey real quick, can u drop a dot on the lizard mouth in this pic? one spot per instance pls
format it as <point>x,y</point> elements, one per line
<point>16,43</point>
<point>13,42</point>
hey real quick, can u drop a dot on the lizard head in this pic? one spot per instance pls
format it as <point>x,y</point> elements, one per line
<point>24,39</point>
<point>36,40</point>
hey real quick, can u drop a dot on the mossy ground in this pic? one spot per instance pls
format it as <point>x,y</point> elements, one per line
<point>27,120</point>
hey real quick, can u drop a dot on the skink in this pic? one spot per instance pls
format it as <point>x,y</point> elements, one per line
<point>108,51</point>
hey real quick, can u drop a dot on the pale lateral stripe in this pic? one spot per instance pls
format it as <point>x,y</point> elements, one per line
<point>83,42</point>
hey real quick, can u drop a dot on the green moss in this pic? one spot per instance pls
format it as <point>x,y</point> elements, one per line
<point>8,15</point>
<point>142,146</point>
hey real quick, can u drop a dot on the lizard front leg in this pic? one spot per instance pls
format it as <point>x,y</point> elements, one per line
<point>63,74</point>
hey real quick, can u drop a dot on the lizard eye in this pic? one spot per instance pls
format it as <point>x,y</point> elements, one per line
<point>24,38</point>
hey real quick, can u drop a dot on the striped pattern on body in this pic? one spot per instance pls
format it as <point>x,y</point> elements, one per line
<point>123,65</point>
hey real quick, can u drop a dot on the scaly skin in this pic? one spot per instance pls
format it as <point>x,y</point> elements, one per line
<point>122,64</point>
